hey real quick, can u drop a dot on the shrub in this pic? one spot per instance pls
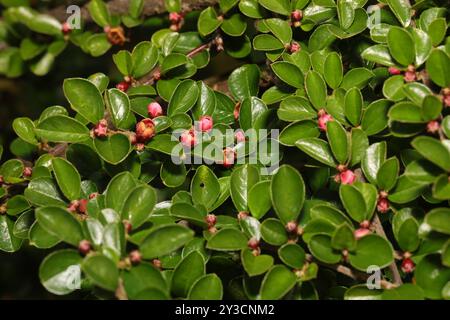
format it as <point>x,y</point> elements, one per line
<point>358,191</point>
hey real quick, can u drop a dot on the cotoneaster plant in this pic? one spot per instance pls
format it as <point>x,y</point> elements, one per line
<point>360,91</point>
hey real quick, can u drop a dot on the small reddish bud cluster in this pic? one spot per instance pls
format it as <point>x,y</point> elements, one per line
<point>2,181</point>
<point>84,247</point>
<point>156,75</point>
<point>135,257</point>
<point>123,86</point>
<point>145,130</point>
<point>229,156</point>
<point>66,28</point>
<point>408,265</point>
<point>188,138</point>
<point>157,263</point>
<point>239,136</point>
<point>242,215</point>
<point>446,96</point>
<point>154,110</point>
<point>363,230</point>
<point>409,75</point>
<point>253,244</point>
<point>433,127</point>
<point>101,129</point>
<point>211,220</point>
<point>296,17</point>
<point>294,47</point>
<point>324,117</point>
<point>382,202</point>
<point>116,35</point>
<point>176,21</point>
<point>205,123</point>
<point>27,172</point>
<point>291,227</point>
<point>394,71</point>
<point>127,225</point>
<point>93,195</point>
<point>78,206</point>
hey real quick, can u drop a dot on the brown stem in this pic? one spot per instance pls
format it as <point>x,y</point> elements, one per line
<point>393,266</point>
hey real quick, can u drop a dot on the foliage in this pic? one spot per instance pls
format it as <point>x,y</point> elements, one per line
<point>364,168</point>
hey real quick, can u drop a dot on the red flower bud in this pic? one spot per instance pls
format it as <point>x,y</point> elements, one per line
<point>84,247</point>
<point>211,220</point>
<point>382,205</point>
<point>253,243</point>
<point>361,232</point>
<point>447,100</point>
<point>408,265</point>
<point>294,47</point>
<point>2,181</point>
<point>296,15</point>
<point>127,225</point>
<point>394,71</point>
<point>410,76</point>
<point>82,205</point>
<point>229,155</point>
<point>27,172</point>
<point>123,86</point>
<point>291,227</point>
<point>175,17</point>
<point>135,257</point>
<point>93,195</point>
<point>237,109</point>
<point>145,130</point>
<point>205,123</point>
<point>154,109</point>
<point>365,224</point>
<point>242,215</point>
<point>101,129</point>
<point>73,206</point>
<point>66,28</point>
<point>347,177</point>
<point>157,263</point>
<point>188,138</point>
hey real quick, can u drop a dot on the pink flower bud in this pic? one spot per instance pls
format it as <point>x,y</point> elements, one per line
<point>237,109</point>
<point>101,129</point>
<point>410,76</point>
<point>253,243</point>
<point>206,123</point>
<point>408,265</point>
<point>296,15</point>
<point>188,138</point>
<point>394,71</point>
<point>73,206</point>
<point>93,195</point>
<point>145,130</point>
<point>229,155</point>
<point>84,247</point>
<point>361,232</point>
<point>240,136</point>
<point>291,227</point>
<point>135,257</point>
<point>242,215</point>
<point>154,109</point>
<point>382,205</point>
<point>447,100</point>
<point>157,263</point>
<point>347,177</point>
<point>82,205</point>
<point>294,47</point>
<point>65,28</point>
<point>175,17</point>
<point>323,119</point>
<point>211,219</point>
<point>127,225</point>
<point>365,224</point>
<point>433,126</point>
<point>27,172</point>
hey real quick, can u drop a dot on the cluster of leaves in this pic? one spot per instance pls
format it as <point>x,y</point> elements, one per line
<point>364,167</point>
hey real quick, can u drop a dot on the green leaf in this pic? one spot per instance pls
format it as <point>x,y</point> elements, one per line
<point>289,73</point>
<point>277,283</point>
<point>320,247</point>
<point>205,188</point>
<point>165,239</point>
<point>361,292</point>
<point>68,178</point>
<point>422,44</point>
<point>242,180</point>
<point>118,190</point>
<point>227,239</point>
<point>266,42</point>
<point>295,109</point>
<point>8,241</point>
<point>292,255</point>
<point>119,107</point>
<point>43,192</point>
<point>60,222</point>
<point>23,224</point>
<point>372,160</point>
<point>437,30</point>
<point>356,77</point>
<point>251,8</point>
<point>206,102</point>
<point>316,89</point>
<point>100,80</point>
<point>58,272</point>
<point>235,25</point>
<point>406,190</point>
<point>144,58</point>
<point>287,191</point>
<point>243,82</point>
<point>406,291</point>
<point>186,273</point>
<point>207,287</point>
<point>333,70</point>
<point>353,201</point>
<point>251,109</point>
<point>255,265</point>
<point>432,276</point>
<point>433,150</point>
<point>339,141</point>
<point>346,13</point>
<point>139,205</point>
<point>317,149</point>
<point>438,220</point>
<point>375,117</point>
<point>364,256</point>
<point>172,175</point>
<point>102,271</point>
<point>273,232</point>
<point>113,149</point>
<point>387,174</point>
<point>208,21</point>
<point>298,130</point>
<point>24,128</point>
<point>438,67</point>
<point>61,128</point>
<point>184,97</point>
<point>378,53</point>
<point>353,104</point>
<point>259,202</point>
<point>406,228</point>
<point>280,28</point>
<point>40,238</point>
<point>431,108</point>
<point>402,10</point>
<point>279,6</point>
<point>343,238</point>
<point>123,62</point>
<point>99,12</point>
<point>98,44</point>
